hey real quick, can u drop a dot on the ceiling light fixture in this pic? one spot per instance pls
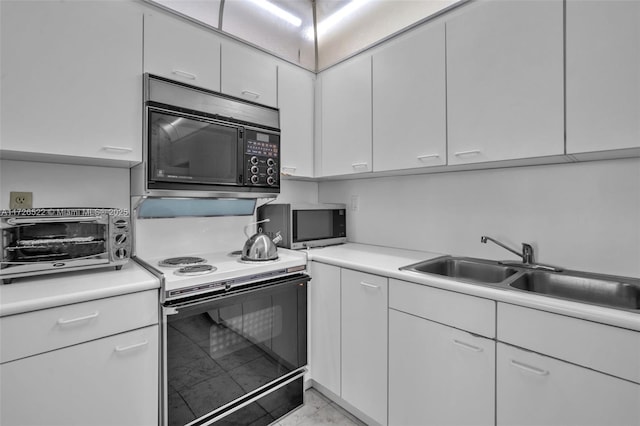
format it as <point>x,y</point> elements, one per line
<point>280,13</point>
<point>336,17</point>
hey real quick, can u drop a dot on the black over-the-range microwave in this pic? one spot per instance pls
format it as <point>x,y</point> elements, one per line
<point>201,143</point>
<point>305,225</point>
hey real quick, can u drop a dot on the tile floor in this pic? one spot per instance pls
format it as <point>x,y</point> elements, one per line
<point>318,410</point>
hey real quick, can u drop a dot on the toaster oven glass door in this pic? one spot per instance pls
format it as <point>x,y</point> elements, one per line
<point>30,244</point>
<point>310,225</point>
<point>187,149</point>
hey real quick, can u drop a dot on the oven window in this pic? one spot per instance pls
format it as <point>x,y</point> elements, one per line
<point>188,150</point>
<point>223,350</point>
<point>313,225</point>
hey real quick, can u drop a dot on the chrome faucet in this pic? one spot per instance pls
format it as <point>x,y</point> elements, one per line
<point>527,250</point>
<point>526,255</point>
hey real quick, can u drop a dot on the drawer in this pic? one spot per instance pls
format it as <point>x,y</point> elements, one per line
<point>462,311</point>
<point>601,347</point>
<point>41,331</point>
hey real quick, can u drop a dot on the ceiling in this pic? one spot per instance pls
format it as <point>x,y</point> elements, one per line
<point>344,27</point>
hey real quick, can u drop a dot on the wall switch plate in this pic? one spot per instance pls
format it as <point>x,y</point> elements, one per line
<point>355,203</point>
<point>21,200</point>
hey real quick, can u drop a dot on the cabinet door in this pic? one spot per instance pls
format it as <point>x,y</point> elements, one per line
<point>181,51</point>
<point>409,101</point>
<point>603,69</point>
<point>364,343</point>
<point>433,369</point>
<point>536,390</point>
<point>295,100</point>
<point>346,118</point>
<point>324,333</point>
<point>109,381</point>
<point>249,74</point>
<point>71,81</point>
<point>505,81</point>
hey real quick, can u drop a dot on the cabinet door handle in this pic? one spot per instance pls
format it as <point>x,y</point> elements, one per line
<point>529,368</point>
<point>467,346</point>
<point>360,165</point>
<point>471,152</point>
<point>425,157</point>
<point>84,318</point>
<point>364,284</point>
<point>184,74</point>
<point>288,170</point>
<point>250,93</point>
<point>117,149</point>
<point>131,347</point>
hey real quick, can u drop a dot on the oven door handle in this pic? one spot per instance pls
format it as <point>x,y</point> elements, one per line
<point>35,220</point>
<point>170,310</point>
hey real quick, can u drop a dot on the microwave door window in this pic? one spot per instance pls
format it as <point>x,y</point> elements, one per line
<point>183,149</point>
<point>313,225</point>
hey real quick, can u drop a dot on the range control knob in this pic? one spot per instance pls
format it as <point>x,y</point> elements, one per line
<point>254,170</point>
<point>270,171</point>
<point>271,162</point>
<point>271,180</point>
<point>121,253</point>
<point>254,179</point>
<point>254,160</point>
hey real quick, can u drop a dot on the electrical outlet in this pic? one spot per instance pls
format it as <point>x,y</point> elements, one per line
<point>21,200</point>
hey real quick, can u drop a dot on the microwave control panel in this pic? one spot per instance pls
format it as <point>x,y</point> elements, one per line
<point>262,159</point>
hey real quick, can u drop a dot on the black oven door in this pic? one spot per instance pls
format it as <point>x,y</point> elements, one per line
<point>188,149</point>
<point>238,358</point>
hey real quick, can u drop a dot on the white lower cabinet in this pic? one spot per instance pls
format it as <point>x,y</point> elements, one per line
<point>364,343</point>
<point>433,369</point>
<point>109,381</point>
<point>533,389</point>
<point>324,325</point>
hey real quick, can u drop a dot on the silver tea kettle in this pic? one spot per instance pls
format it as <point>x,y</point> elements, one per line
<point>259,247</point>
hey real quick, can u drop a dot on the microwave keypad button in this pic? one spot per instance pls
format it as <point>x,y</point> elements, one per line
<point>254,179</point>
<point>254,160</point>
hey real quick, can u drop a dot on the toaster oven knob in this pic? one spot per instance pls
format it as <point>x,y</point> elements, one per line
<point>121,223</point>
<point>254,179</point>
<point>271,180</point>
<point>254,160</point>
<point>121,253</point>
<point>254,170</point>
<point>271,162</point>
<point>121,238</point>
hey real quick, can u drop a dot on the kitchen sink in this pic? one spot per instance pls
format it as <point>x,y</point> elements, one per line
<point>616,292</point>
<point>478,270</point>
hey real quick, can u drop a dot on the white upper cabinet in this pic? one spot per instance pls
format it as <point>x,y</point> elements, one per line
<point>72,81</point>
<point>249,74</point>
<point>409,101</point>
<point>296,103</point>
<point>505,81</point>
<point>346,117</point>
<point>181,51</point>
<point>603,75</point>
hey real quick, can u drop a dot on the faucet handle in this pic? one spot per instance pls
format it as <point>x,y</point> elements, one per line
<point>527,253</point>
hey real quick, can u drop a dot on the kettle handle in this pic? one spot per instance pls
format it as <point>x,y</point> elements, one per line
<point>254,223</point>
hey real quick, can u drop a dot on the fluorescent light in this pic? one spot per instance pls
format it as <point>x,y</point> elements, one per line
<point>336,17</point>
<point>280,13</point>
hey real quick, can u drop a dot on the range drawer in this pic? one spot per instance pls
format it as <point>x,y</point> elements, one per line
<point>462,311</point>
<point>605,348</point>
<point>41,331</point>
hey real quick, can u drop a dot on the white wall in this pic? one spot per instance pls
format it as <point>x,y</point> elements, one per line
<point>64,185</point>
<point>583,216</point>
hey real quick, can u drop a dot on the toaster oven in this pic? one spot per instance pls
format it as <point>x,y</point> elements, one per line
<point>45,241</point>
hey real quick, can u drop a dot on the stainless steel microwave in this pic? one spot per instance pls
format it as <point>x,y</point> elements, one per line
<point>200,143</point>
<point>305,225</point>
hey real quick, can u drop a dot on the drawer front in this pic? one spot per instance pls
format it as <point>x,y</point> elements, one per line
<point>41,331</point>
<point>469,313</point>
<point>612,350</point>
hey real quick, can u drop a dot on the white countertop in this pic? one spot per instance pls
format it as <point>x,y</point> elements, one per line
<point>385,261</point>
<point>47,291</point>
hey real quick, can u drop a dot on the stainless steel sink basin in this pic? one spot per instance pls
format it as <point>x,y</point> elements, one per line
<point>483,271</point>
<point>616,292</point>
